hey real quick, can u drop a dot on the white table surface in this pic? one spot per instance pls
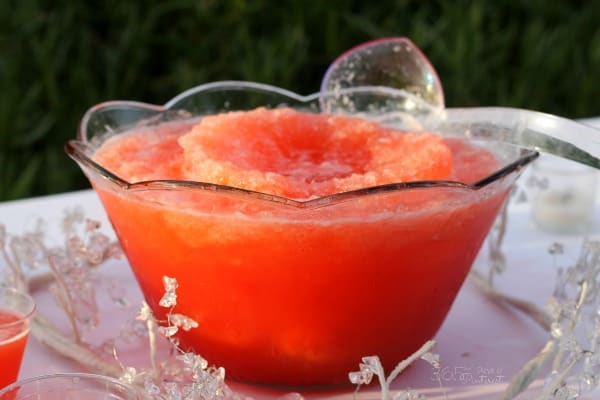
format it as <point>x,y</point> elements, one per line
<point>479,336</point>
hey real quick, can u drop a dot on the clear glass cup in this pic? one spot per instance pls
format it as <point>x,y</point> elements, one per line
<point>564,195</point>
<point>16,310</point>
<point>70,386</point>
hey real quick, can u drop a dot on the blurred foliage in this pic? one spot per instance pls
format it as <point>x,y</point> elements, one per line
<point>58,58</point>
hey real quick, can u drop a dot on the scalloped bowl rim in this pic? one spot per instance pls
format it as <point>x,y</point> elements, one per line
<point>76,149</point>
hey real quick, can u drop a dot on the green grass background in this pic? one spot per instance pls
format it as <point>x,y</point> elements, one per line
<point>58,58</point>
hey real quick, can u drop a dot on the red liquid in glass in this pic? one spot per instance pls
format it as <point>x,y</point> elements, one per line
<point>299,296</point>
<point>13,338</point>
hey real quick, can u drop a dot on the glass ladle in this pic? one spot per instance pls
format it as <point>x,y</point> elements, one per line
<point>397,64</point>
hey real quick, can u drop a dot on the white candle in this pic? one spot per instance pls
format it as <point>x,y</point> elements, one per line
<point>564,195</point>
